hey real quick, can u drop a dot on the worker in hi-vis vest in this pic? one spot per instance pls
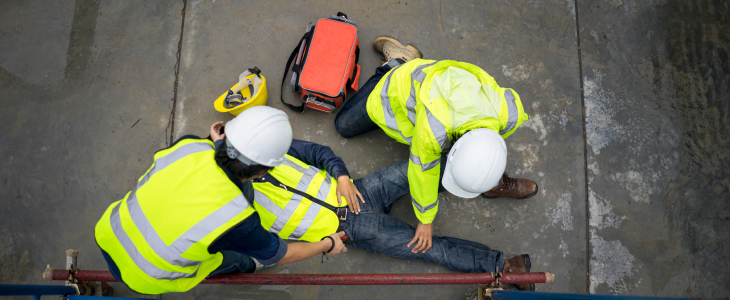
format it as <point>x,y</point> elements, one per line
<point>190,216</point>
<point>439,107</point>
<point>303,199</point>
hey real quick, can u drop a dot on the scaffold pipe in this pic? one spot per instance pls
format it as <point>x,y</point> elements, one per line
<point>335,279</point>
<point>518,295</point>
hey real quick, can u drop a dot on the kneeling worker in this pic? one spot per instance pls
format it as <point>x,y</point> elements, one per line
<point>310,196</point>
<point>190,216</point>
<point>431,105</point>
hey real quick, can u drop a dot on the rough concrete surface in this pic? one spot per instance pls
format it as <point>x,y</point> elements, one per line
<point>86,99</point>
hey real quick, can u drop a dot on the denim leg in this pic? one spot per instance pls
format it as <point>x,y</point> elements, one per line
<point>234,262</point>
<point>392,236</point>
<point>380,190</point>
<point>353,119</point>
<point>389,184</point>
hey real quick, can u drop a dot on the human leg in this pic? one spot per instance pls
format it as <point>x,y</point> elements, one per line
<point>234,262</point>
<point>392,236</point>
<point>389,184</point>
<point>353,119</point>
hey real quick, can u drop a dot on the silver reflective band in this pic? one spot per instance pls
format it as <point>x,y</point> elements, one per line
<point>424,167</point>
<point>390,120</point>
<point>311,213</point>
<point>438,129</point>
<point>284,215</point>
<point>416,75</point>
<point>423,209</point>
<point>143,224</point>
<point>294,165</point>
<point>512,110</point>
<point>165,161</point>
<point>171,254</point>
<point>139,260</point>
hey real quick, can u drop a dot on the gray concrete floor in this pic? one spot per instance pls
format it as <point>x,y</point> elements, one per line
<point>628,138</point>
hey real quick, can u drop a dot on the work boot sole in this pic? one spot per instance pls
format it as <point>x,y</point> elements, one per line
<point>379,41</point>
<point>537,188</point>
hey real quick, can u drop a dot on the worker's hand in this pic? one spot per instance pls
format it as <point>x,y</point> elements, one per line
<point>349,190</point>
<point>339,246</point>
<point>215,130</point>
<point>423,237</point>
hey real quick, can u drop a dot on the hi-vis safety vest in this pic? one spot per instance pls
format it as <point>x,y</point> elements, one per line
<point>428,104</point>
<point>159,234</point>
<point>290,215</point>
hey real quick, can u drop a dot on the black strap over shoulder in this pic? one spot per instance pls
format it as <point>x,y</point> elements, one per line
<point>297,69</point>
<point>270,179</point>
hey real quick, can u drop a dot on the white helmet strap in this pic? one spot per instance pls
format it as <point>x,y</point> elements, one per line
<point>233,153</point>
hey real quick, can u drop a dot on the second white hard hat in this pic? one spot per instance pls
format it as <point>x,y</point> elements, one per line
<point>475,163</point>
<point>259,135</point>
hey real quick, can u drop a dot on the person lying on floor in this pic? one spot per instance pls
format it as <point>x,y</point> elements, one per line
<point>310,196</point>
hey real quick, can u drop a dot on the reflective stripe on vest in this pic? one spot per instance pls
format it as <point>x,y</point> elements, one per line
<point>439,130</point>
<point>147,235</point>
<point>172,253</point>
<point>138,259</point>
<point>424,167</point>
<point>282,217</point>
<point>416,75</point>
<point>512,110</point>
<point>390,120</point>
<point>423,209</point>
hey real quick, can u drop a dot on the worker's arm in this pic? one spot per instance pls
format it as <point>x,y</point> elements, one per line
<point>319,156</point>
<point>424,170</point>
<point>300,251</point>
<point>251,239</point>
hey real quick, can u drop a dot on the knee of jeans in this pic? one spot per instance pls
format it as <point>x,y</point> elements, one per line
<point>342,129</point>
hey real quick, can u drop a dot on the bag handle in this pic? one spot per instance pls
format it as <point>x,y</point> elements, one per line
<point>270,179</point>
<point>286,71</point>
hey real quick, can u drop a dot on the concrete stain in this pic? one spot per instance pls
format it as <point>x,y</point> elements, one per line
<point>561,214</point>
<point>601,212</point>
<point>640,189</point>
<point>529,158</point>
<point>535,123</point>
<point>601,107</point>
<point>611,264</point>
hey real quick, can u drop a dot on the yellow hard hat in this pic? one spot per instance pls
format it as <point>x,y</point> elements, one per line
<point>250,91</point>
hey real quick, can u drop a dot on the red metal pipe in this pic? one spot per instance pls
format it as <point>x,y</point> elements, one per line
<point>335,279</point>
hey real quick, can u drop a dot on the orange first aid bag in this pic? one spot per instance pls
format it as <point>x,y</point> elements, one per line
<point>325,64</point>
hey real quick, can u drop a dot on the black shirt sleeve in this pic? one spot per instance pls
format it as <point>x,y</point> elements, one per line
<point>251,239</point>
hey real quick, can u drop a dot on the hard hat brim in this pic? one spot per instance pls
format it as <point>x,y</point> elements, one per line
<point>450,185</point>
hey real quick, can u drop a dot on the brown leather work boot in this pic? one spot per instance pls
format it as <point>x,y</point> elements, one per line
<point>520,264</point>
<point>392,48</point>
<point>518,188</point>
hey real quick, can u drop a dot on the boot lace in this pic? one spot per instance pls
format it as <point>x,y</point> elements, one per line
<point>508,183</point>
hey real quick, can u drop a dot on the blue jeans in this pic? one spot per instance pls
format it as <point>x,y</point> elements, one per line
<point>353,119</point>
<point>234,262</point>
<point>380,190</point>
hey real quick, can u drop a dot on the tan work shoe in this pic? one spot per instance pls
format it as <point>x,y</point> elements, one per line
<point>392,48</point>
<point>518,188</point>
<point>520,264</point>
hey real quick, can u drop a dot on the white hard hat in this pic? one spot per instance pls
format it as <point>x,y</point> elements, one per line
<point>259,135</point>
<point>475,163</point>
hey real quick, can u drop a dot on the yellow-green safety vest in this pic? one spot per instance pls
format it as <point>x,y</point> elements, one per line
<point>159,234</point>
<point>428,104</point>
<point>290,215</point>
